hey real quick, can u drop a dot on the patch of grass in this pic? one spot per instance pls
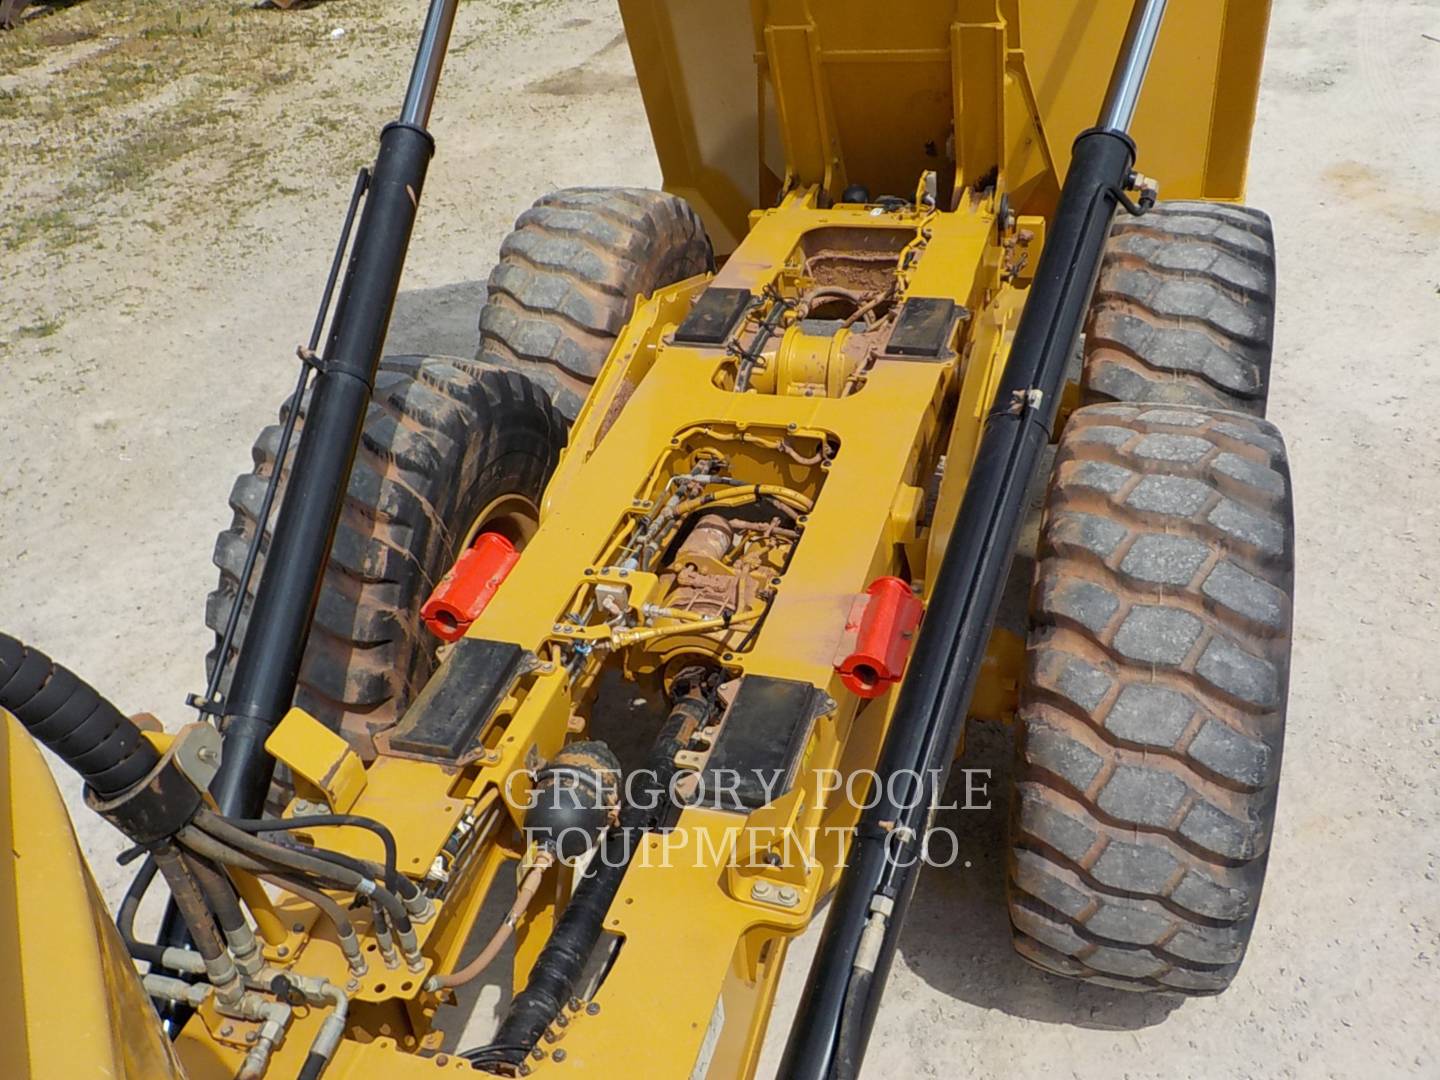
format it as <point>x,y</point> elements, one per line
<point>43,329</point>
<point>136,159</point>
<point>121,113</point>
<point>57,227</point>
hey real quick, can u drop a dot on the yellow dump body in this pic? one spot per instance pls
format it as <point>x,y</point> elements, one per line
<point>747,104</point>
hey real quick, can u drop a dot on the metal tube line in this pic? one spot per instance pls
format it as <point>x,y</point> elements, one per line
<point>429,58</point>
<point>1129,75</point>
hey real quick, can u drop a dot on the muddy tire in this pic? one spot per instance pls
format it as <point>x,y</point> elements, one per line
<point>443,440</point>
<point>569,275</point>
<point>1154,711</point>
<point>1184,309</point>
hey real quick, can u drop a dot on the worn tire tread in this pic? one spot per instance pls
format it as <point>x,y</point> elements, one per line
<point>1184,309</point>
<point>442,438</point>
<point>569,275</point>
<point>1153,710</point>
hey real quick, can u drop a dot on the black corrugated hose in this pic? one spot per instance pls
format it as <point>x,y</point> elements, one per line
<point>65,713</point>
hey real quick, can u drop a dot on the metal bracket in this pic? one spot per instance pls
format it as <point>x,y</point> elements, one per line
<point>197,750</point>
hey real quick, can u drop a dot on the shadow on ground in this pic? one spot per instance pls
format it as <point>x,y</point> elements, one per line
<point>443,321</point>
<point>957,935</point>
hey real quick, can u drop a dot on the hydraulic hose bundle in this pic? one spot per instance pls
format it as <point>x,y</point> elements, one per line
<point>150,798</point>
<point>558,968</point>
<point>88,733</point>
<point>125,777</point>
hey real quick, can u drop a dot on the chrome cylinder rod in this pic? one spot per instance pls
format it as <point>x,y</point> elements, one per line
<point>429,58</point>
<point>1129,76</point>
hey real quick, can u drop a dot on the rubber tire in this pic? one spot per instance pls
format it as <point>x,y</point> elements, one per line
<point>569,275</point>
<point>1153,714</point>
<point>443,438</point>
<point>1184,309</point>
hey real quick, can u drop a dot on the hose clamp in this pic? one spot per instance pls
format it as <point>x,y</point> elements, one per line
<point>157,807</point>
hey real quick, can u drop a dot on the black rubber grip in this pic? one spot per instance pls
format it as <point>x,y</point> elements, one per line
<point>64,712</point>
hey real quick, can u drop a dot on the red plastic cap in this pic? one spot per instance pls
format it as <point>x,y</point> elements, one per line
<point>878,636</point>
<point>470,585</point>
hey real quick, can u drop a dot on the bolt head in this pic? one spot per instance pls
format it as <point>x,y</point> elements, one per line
<point>283,950</point>
<point>760,890</point>
<point>252,1036</point>
<point>559,1055</point>
<point>592,1008</point>
<point>227,1030</point>
<point>788,895</point>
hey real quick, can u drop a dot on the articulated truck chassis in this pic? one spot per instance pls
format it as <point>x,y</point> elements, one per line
<point>665,614</point>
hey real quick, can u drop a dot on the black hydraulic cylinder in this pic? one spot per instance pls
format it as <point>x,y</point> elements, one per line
<point>843,990</point>
<point>268,666</point>
<point>269,662</point>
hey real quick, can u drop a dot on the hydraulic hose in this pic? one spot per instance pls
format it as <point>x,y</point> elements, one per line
<point>394,881</point>
<point>105,747</point>
<point>289,859</point>
<point>199,921</point>
<point>129,906</point>
<point>560,963</point>
<point>344,926</point>
<point>204,844</point>
<point>219,894</point>
<point>523,895</point>
<point>65,713</point>
<point>221,898</point>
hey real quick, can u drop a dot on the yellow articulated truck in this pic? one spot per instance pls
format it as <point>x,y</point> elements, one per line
<point>754,452</point>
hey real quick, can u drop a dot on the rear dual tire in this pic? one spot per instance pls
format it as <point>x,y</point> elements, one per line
<point>444,439</point>
<point>1153,715</point>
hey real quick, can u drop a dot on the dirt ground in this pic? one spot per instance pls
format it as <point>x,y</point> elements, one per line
<point>172,177</point>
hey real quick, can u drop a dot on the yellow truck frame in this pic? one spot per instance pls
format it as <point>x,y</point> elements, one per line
<point>854,455</point>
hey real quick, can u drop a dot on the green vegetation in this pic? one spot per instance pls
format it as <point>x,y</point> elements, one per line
<point>43,329</point>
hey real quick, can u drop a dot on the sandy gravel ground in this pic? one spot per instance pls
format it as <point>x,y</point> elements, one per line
<point>171,177</point>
